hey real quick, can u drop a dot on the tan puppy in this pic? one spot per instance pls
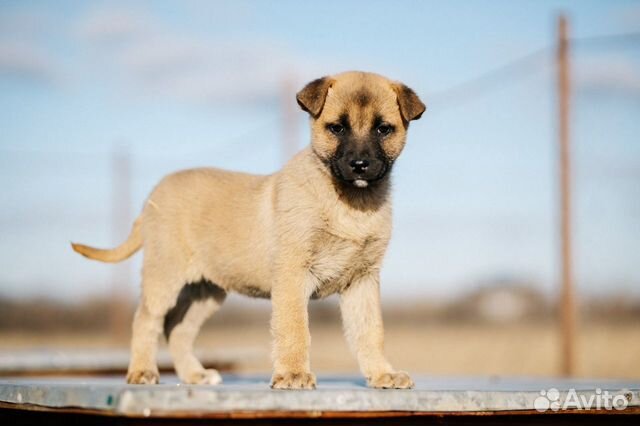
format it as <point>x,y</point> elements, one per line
<point>319,226</point>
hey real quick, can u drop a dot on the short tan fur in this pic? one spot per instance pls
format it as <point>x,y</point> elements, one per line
<point>319,226</point>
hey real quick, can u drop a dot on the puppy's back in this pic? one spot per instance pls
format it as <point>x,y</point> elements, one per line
<point>218,220</point>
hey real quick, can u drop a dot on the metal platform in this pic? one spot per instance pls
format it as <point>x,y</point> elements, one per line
<point>108,361</point>
<point>251,394</point>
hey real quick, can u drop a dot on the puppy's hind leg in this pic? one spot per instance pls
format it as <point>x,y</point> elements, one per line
<point>159,293</point>
<point>147,326</point>
<point>196,303</point>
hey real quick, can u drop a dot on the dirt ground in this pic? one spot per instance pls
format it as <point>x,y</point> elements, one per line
<point>604,350</point>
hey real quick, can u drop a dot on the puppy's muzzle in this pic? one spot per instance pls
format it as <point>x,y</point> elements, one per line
<point>359,169</point>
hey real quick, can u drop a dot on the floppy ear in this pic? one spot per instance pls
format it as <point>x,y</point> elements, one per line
<point>411,107</point>
<point>311,97</point>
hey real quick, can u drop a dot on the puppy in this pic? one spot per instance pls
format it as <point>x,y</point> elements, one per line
<point>319,226</point>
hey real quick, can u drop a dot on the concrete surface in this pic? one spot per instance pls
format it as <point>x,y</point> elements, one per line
<point>252,393</point>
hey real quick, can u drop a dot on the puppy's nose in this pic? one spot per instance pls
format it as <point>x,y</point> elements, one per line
<point>359,166</point>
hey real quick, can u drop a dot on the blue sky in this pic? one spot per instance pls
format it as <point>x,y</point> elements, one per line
<point>196,83</point>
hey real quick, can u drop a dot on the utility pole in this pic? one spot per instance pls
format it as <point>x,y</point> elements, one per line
<point>119,315</point>
<point>289,119</point>
<point>567,306</point>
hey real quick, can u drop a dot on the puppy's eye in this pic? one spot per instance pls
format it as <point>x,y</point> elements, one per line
<point>384,129</point>
<point>335,128</point>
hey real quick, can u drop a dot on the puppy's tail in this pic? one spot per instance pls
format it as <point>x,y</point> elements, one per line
<point>122,252</point>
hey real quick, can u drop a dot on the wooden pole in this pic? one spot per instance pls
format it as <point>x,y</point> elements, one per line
<point>289,119</point>
<point>567,299</point>
<point>121,226</point>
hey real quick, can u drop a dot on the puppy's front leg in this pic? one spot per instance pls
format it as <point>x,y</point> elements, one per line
<point>362,319</point>
<point>290,329</point>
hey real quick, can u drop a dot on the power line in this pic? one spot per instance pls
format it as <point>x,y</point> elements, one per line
<point>607,40</point>
<point>521,67</point>
<point>476,86</point>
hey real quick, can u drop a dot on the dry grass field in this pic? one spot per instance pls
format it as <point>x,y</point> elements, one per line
<point>462,337</point>
<point>609,350</point>
<point>464,349</point>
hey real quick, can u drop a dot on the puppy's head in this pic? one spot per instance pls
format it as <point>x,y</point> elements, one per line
<point>359,124</point>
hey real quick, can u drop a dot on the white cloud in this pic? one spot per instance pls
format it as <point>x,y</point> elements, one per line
<point>25,24</point>
<point>161,61</point>
<point>24,60</point>
<point>22,54</point>
<point>114,25</point>
<point>628,16</point>
<point>608,74</point>
<point>130,48</point>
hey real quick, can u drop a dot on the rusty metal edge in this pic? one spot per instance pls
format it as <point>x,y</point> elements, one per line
<point>273,414</point>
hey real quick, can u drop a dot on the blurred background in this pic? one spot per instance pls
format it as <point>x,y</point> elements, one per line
<point>99,100</point>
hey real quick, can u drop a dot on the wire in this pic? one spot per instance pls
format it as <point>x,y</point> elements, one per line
<point>518,68</point>
<point>605,40</point>
<point>487,81</point>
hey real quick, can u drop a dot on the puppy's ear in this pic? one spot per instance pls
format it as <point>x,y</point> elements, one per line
<point>411,107</point>
<point>311,98</point>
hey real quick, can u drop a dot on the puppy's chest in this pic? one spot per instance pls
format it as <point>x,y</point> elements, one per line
<point>337,258</point>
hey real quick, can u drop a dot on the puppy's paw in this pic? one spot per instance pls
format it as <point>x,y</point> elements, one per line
<point>293,381</point>
<point>143,377</point>
<point>397,380</point>
<point>203,377</point>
